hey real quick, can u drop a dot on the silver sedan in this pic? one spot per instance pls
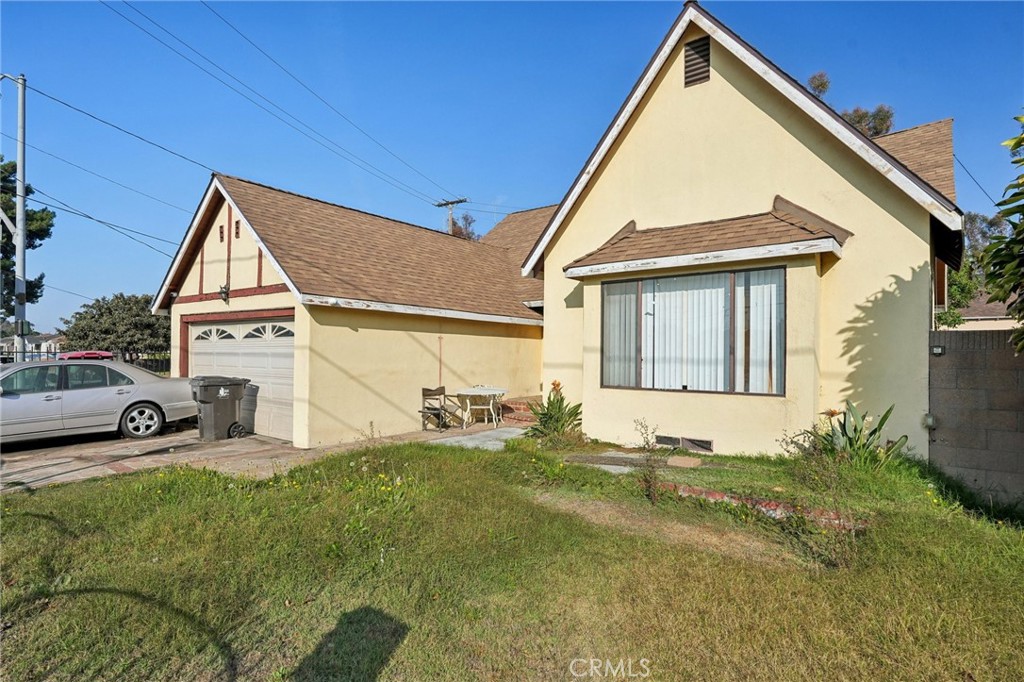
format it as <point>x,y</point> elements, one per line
<point>68,397</point>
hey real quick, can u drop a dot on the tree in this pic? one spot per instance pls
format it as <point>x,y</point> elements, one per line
<point>963,287</point>
<point>872,123</point>
<point>463,227</point>
<point>39,224</point>
<point>1004,257</point>
<point>122,323</point>
<point>979,230</point>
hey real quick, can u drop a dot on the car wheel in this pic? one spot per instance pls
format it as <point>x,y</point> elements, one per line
<point>142,421</point>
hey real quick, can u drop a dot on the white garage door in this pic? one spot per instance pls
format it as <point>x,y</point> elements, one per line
<point>263,351</point>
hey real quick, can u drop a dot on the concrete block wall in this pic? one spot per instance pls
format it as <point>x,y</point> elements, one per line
<point>976,394</point>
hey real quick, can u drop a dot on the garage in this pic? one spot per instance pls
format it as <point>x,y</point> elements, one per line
<point>260,350</point>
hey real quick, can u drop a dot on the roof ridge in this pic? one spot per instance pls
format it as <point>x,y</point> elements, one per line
<point>527,210</point>
<point>907,130</point>
<point>350,208</point>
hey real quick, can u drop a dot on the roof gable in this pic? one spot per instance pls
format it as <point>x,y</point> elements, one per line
<point>334,255</point>
<point>932,200</point>
<point>927,151</point>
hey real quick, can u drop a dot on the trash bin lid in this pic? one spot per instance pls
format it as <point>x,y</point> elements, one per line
<point>206,380</point>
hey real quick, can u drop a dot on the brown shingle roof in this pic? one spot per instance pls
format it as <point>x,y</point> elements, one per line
<point>517,233</point>
<point>331,250</point>
<point>979,308</point>
<point>927,150</point>
<point>786,223</point>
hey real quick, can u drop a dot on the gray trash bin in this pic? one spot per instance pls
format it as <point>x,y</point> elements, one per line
<point>220,406</point>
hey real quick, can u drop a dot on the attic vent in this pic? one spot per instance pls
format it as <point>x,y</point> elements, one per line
<point>697,55</point>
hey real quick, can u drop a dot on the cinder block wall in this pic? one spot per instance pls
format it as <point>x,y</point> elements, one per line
<point>976,393</point>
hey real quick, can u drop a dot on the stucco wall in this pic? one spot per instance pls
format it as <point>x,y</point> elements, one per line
<point>726,148</point>
<point>370,367</point>
<point>245,269</point>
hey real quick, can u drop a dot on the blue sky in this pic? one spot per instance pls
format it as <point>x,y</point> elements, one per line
<point>500,102</point>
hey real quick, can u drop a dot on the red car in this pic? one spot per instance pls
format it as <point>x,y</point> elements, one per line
<point>87,355</point>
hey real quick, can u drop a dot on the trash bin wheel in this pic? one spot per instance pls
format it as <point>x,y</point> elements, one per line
<point>236,431</point>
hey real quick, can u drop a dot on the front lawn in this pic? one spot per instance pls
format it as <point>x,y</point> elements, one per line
<point>419,562</point>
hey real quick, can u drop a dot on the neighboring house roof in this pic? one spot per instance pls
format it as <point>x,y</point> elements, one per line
<point>731,239</point>
<point>927,150</point>
<point>517,233</point>
<point>980,309</point>
<point>931,199</point>
<point>333,255</point>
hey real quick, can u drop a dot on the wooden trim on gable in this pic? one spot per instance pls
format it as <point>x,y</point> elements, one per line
<point>237,293</point>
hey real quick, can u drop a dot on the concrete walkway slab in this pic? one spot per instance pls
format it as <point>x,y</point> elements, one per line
<point>491,439</point>
<point>65,460</point>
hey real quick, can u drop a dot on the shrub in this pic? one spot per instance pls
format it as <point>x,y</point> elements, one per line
<point>846,436</point>
<point>559,422</point>
<point>647,472</point>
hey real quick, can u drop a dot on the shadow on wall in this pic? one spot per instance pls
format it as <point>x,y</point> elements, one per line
<point>884,344</point>
<point>358,648</point>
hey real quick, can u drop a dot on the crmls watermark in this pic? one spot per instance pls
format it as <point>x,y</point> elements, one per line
<point>622,669</point>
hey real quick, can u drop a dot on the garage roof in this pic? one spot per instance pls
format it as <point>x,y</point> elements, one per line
<point>334,255</point>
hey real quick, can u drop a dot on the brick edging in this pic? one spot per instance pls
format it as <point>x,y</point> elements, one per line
<point>773,509</point>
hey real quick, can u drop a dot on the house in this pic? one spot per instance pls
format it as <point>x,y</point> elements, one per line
<point>734,258</point>
<point>37,346</point>
<point>341,317</point>
<point>980,315</point>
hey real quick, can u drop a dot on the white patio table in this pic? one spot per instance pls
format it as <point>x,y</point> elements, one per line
<point>481,398</point>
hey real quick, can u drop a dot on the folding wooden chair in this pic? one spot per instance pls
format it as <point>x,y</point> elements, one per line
<point>437,406</point>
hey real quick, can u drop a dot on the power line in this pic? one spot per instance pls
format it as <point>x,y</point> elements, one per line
<point>123,231</point>
<point>118,128</point>
<point>69,207</point>
<point>971,176</point>
<point>324,101</point>
<point>332,147</point>
<point>65,291</point>
<point>513,208</point>
<point>102,177</point>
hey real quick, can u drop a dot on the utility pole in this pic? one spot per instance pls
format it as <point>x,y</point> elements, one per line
<point>451,205</point>
<point>20,229</point>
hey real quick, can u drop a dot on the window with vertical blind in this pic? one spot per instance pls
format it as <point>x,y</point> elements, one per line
<point>721,332</point>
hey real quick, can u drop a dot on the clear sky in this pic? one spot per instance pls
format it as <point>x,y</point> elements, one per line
<point>500,102</point>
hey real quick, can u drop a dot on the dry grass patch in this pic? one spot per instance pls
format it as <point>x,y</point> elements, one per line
<point>644,520</point>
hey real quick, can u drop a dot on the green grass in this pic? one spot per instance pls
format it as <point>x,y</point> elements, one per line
<point>461,572</point>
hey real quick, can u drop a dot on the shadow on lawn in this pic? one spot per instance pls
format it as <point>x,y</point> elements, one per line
<point>357,648</point>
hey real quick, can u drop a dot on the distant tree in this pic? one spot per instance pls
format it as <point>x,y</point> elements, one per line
<point>819,84</point>
<point>1004,257</point>
<point>463,227</point>
<point>979,230</point>
<point>121,323</point>
<point>872,123</point>
<point>40,225</point>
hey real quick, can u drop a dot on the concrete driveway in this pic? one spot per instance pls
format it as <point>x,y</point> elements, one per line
<point>36,464</point>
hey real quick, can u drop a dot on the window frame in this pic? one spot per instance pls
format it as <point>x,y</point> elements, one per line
<point>731,322</point>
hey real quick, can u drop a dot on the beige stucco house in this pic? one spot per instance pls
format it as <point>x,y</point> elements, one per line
<point>732,260</point>
<point>341,317</point>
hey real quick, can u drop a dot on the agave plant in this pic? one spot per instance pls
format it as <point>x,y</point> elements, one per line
<point>556,416</point>
<point>851,435</point>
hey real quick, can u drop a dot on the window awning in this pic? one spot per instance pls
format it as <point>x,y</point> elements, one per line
<point>787,230</point>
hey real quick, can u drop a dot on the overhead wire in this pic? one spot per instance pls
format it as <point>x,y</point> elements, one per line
<point>326,103</point>
<point>120,229</point>
<point>329,145</point>
<point>98,175</point>
<point>66,291</point>
<point>118,128</point>
<point>971,176</point>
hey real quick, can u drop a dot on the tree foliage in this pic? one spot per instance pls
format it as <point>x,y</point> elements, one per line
<point>463,227</point>
<point>1004,257</point>
<point>979,230</point>
<point>40,226</point>
<point>963,287</point>
<point>121,323</point>
<point>871,122</point>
